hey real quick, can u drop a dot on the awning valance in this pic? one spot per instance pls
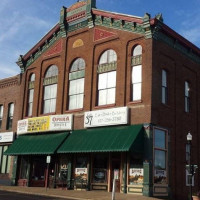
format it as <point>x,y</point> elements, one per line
<point>46,143</point>
<point>112,139</point>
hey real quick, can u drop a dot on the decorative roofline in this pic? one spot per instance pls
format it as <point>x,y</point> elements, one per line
<point>8,82</point>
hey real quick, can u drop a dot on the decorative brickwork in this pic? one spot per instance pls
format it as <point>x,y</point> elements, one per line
<point>100,34</point>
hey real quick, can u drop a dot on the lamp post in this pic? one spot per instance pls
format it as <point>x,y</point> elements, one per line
<point>189,141</point>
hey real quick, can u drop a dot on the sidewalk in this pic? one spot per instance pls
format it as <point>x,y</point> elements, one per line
<point>74,194</point>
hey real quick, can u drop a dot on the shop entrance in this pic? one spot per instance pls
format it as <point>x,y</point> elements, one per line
<point>115,173</point>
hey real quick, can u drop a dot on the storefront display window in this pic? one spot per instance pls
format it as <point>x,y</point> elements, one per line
<point>4,161</point>
<point>24,168</point>
<point>100,169</point>
<point>160,156</point>
<point>81,168</point>
<point>136,172</point>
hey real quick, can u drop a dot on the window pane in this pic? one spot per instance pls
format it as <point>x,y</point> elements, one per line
<point>160,138</point>
<point>72,102</point>
<point>80,101</point>
<point>80,85</point>
<point>112,56</point>
<point>164,78</point>
<point>111,96</point>
<point>53,105</point>
<point>3,166</point>
<point>111,79</point>
<point>72,87</point>
<point>1,111</point>
<point>102,97</point>
<point>160,159</point>
<point>137,50</point>
<point>31,92</point>
<point>164,95</point>
<point>103,58</point>
<point>32,78</point>
<point>137,91</point>
<point>102,83</point>
<point>11,109</point>
<point>30,107</point>
<point>52,71</point>
<point>8,164</point>
<point>47,92</point>
<point>46,105</point>
<point>53,89</point>
<point>137,74</point>
<point>1,149</point>
<point>187,89</point>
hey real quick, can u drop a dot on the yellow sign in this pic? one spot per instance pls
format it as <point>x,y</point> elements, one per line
<point>38,124</point>
<point>78,43</point>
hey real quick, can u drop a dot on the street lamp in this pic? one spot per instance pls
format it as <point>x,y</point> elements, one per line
<point>189,141</point>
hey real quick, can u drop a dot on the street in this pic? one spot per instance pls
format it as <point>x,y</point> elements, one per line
<point>4,195</point>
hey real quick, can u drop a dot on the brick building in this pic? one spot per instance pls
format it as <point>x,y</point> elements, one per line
<point>107,95</point>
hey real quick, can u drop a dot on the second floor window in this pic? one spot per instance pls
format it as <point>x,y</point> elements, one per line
<point>1,115</point>
<point>76,84</point>
<point>107,78</point>
<point>187,97</point>
<point>10,116</point>
<point>30,95</point>
<point>50,90</point>
<point>164,87</point>
<point>137,73</point>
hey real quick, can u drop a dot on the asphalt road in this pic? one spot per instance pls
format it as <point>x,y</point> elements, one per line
<point>4,195</point>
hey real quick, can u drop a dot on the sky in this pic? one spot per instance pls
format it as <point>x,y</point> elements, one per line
<point>24,22</point>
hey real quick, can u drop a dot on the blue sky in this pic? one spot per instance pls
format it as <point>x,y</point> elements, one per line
<point>24,22</point>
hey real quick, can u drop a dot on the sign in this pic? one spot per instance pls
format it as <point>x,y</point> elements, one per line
<point>6,137</point>
<point>48,159</point>
<point>160,176</point>
<point>46,123</point>
<point>108,117</point>
<point>81,173</point>
<point>136,176</point>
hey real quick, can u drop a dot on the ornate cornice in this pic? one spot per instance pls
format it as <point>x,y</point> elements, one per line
<point>8,82</point>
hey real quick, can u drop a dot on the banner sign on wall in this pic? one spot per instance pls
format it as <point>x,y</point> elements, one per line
<point>108,117</point>
<point>46,123</point>
<point>6,137</point>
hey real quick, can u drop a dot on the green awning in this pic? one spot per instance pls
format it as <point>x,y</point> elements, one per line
<point>112,139</point>
<point>46,143</point>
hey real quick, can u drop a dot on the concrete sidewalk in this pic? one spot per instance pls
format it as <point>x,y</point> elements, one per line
<point>74,194</point>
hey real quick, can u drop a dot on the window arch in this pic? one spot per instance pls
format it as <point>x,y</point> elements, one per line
<point>107,77</point>
<point>50,89</point>
<point>30,94</point>
<point>137,73</point>
<point>76,84</point>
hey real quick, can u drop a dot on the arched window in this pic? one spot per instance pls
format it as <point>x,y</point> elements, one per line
<point>50,89</point>
<point>30,95</point>
<point>107,78</point>
<point>10,116</point>
<point>137,73</point>
<point>76,84</point>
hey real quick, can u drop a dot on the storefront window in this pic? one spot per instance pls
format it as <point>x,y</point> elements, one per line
<point>39,166</point>
<point>81,168</point>
<point>4,161</point>
<point>100,169</point>
<point>160,156</point>
<point>24,168</point>
<point>136,172</point>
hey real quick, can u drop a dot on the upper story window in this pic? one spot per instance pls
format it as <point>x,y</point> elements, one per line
<point>10,116</point>
<point>164,87</point>
<point>76,84</point>
<point>107,78</point>
<point>30,94</point>
<point>50,89</point>
<point>1,115</point>
<point>137,73</point>
<point>187,97</point>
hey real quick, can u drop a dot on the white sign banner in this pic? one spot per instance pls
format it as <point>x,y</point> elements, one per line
<point>160,173</point>
<point>46,123</point>
<point>79,171</point>
<point>60,122</point>
<point>6,137</point>
<point>108,117</point>
<point>136,172</point>
<point>22,126</point>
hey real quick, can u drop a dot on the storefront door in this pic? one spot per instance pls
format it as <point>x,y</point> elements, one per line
<point>115,173</point>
